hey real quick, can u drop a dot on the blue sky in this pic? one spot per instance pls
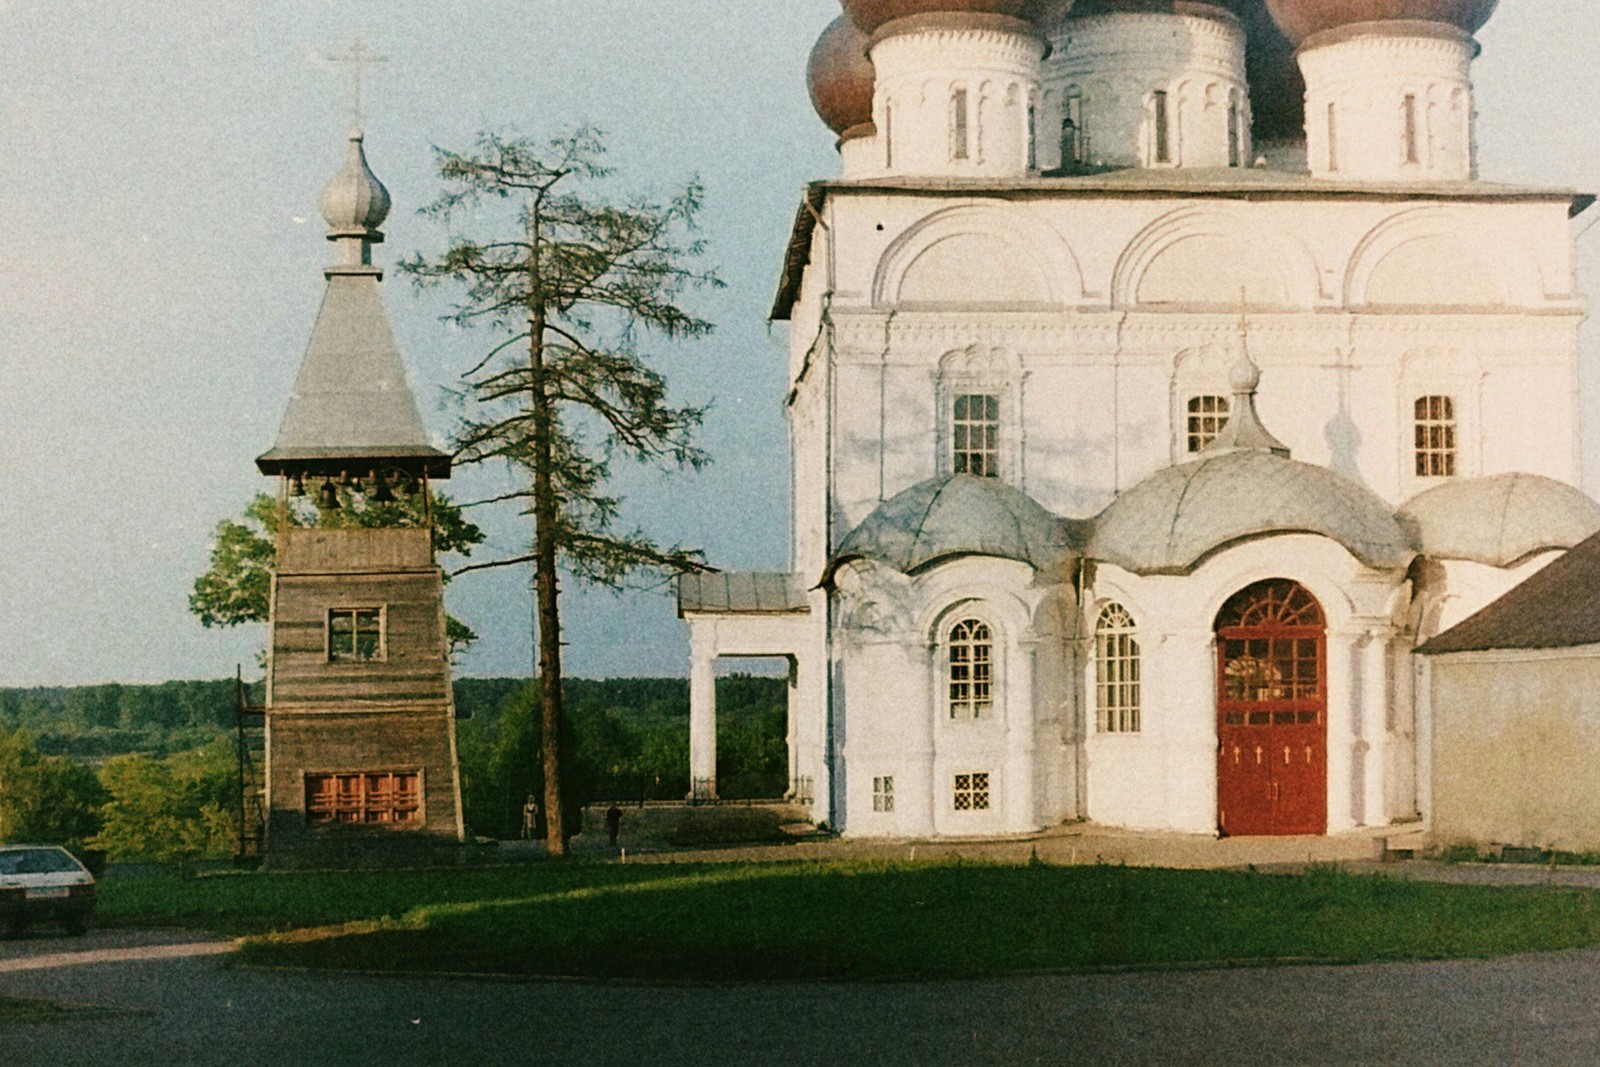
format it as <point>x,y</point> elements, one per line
<point>161,255</point>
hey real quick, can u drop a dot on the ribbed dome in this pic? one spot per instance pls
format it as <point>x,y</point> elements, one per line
<point>355,201</point>
<point>1176,517</point>
<point>840,76</point>
<point>958,515</point>
<point>1300,19</point>
<point>870,15</point>
<point>1500,519</point>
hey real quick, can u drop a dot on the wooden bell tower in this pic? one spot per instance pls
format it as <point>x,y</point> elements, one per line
<point>360,747</point>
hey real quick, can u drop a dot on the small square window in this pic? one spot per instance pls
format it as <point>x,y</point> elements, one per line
<point>883,793</point>
<point>355,634</point>
<point>972,791</point>
<point>1207,416</point>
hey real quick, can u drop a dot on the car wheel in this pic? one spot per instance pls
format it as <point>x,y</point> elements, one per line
<point>77,925</point>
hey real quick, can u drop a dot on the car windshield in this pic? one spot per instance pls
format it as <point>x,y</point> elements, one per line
<point>37,861</point>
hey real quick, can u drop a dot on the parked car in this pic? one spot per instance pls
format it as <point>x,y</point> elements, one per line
<point>44,883</point>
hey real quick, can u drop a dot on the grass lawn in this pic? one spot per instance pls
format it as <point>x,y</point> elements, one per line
<point>849,920</point>
<point>28,1011</point>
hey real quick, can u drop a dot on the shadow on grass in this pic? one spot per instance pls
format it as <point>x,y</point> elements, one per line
<point>877,921</point>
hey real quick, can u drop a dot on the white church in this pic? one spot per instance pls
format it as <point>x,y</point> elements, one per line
<point>1138,440</point>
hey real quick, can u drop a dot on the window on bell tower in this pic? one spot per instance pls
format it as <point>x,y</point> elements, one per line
<point>1162,119</point>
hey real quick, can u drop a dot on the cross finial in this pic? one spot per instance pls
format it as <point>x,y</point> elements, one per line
<point>359,57</point>
<point>1244,320</point>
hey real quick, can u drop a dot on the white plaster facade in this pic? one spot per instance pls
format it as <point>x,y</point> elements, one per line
<point>1092,310</point>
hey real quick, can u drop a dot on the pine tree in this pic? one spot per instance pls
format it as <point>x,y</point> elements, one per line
<point>570,288</point>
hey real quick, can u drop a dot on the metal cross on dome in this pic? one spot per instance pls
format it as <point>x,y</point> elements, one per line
<point>359,57</point>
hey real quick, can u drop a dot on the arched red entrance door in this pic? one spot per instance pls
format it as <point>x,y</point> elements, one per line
<point>1272,703</point>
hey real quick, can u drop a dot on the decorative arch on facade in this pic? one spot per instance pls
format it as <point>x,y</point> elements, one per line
<point>1433,257</point>
<point>1337,608</point>
<point>1201,257</point>
<point>979,255</point>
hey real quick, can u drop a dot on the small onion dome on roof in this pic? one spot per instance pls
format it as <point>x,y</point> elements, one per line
<point>355,201</point>
<point>871,15</point>
<point>1499,520</point>
<point>957,515</point>
<point>1177,517</point>
<point>1300,19</point>
<point>841,78</point>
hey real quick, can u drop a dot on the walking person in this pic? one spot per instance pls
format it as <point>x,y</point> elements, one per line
<point>530,819</point>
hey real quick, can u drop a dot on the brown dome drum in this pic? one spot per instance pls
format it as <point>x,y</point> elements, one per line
<point>1300,19</point>
<point>870,15</point>
<point>840,77</point>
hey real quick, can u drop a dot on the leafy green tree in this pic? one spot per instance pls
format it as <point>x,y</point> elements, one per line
<point>46,799</point>
<point>175,810</point>
<point>570,281</point>
<point>237,583</point>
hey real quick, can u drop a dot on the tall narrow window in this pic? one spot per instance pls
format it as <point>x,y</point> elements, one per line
<point>1033,136</point>
<point>1116,664</point>
<point>883,793</point>
<point>1235,132</point>
<point>888,134</point>
<point>1207,416</point>
<point>971,669</point>
<point>1412,152</point>
<point>960,124</point>
<point>355,634</point>
<point>1436,437</point>
<point>1163,128</point>
<point>975,435</point>
<point>1333,137</point>
<point>1072,138</point>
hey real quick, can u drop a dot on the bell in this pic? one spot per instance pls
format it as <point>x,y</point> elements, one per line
<point>329,500</point>
<point>380,489</point>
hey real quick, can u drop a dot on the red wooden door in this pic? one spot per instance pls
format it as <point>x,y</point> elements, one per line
<point>1272,734</point>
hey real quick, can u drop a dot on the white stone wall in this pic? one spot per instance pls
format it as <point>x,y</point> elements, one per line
<point>1098,317</point>
<point>920,73</point>
<point>1361,83</point>
<point>1112,64</point>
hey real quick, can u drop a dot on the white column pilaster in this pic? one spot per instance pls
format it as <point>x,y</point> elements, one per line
<point>702,716</point>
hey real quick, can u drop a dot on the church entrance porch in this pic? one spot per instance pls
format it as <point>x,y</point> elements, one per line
<point>1272,734</point>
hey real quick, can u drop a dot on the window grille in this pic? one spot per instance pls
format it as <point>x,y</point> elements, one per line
<point>960,136</point>
<point>1207,416</point>
<point>1116,671</point>
<point>1435,437</point>
<point>972,791</point>
<point>355,634</point>
<point>365,799</point>
<point>1163,124</point>
<point>1033,136</point>
<point>975,435</point>
<point>883,793</point>
<point>971,669</point>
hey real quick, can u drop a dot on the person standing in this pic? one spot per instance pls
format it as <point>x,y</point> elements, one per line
<point>530,819</point>
<point>613,823</point>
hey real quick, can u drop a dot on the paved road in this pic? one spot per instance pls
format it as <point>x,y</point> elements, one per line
<point>193,1009</point>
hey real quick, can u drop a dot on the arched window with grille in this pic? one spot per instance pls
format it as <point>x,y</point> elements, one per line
<point>1116,665</point>
<point>969,669</point>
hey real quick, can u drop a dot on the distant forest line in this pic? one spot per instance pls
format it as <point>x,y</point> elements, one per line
<point>629,737</point>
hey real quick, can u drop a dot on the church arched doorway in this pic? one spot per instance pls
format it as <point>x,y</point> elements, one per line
<point>1272,704</point>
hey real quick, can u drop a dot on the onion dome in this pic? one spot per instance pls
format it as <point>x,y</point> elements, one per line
<point>871,15</point>
<point>1500,520</point>
<point>958,515</point>
<point>1300,19</point>
<point>840,77</point>
<point>355,201</point>
<point>1174,519</point>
